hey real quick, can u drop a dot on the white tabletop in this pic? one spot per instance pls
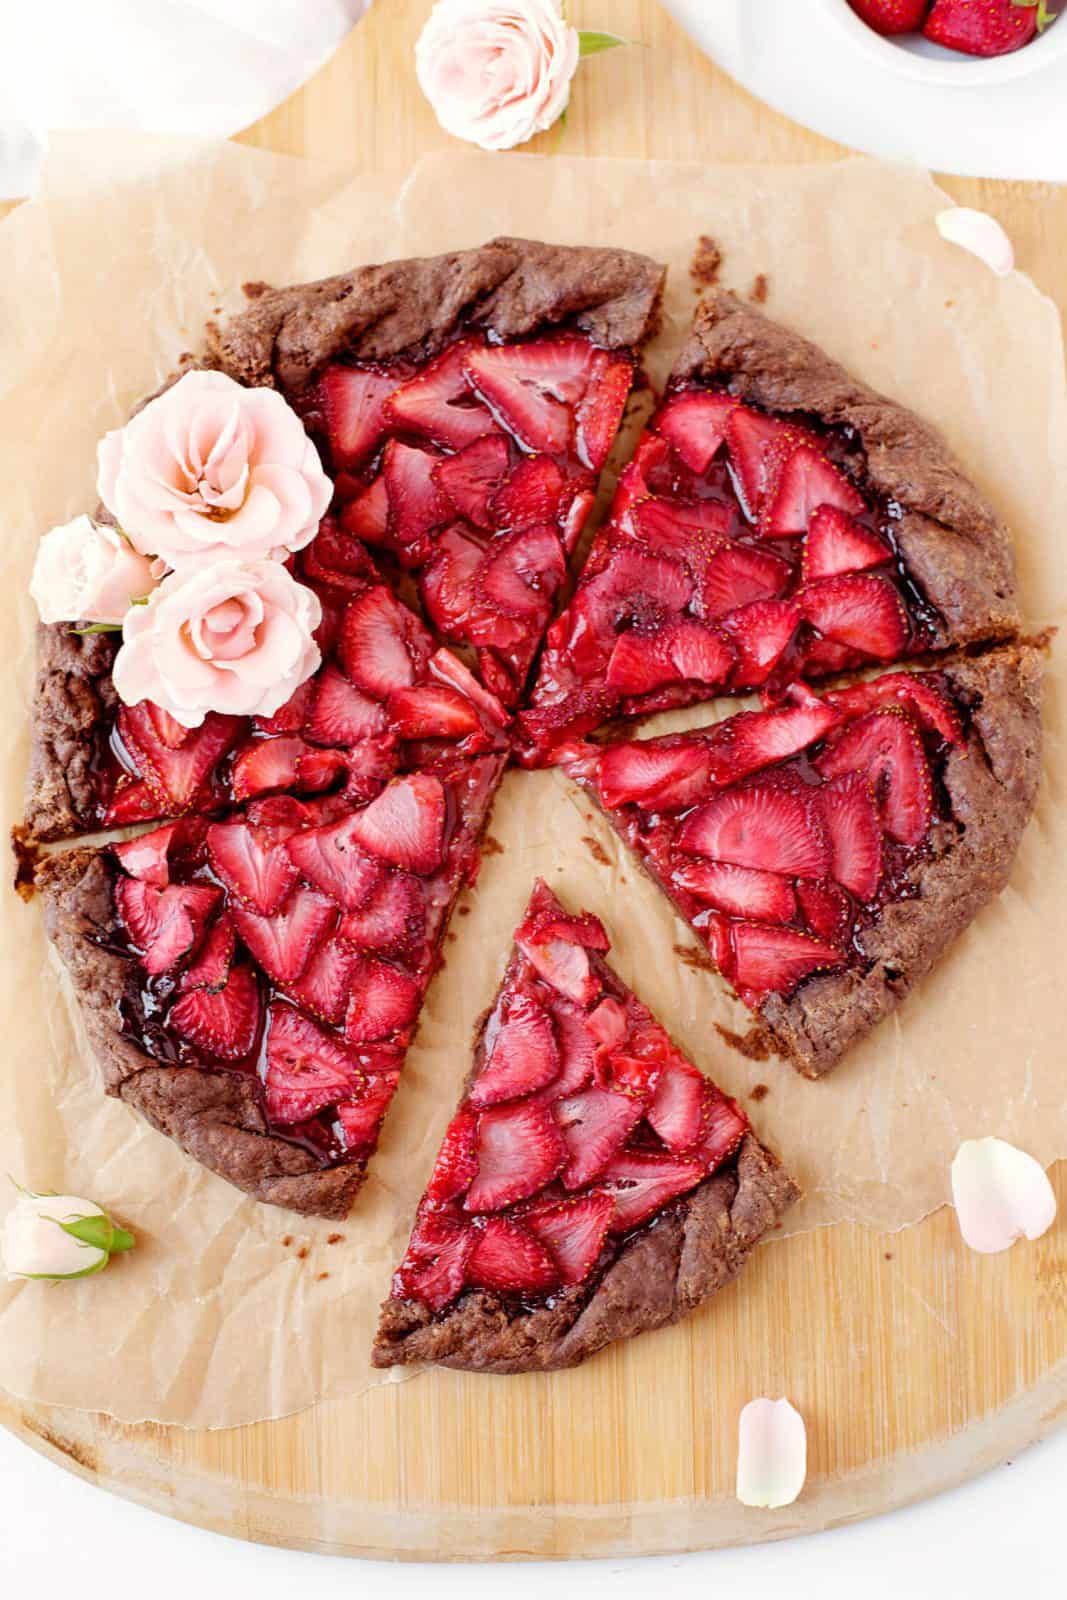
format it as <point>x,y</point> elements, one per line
<point>999,1534</point>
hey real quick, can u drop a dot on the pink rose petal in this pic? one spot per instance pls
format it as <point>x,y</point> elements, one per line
<point>979,233</point>
<point>772,1454</point>
<point>1001,1194</point>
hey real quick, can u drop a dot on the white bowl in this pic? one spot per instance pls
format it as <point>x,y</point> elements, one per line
<point>912,56</point>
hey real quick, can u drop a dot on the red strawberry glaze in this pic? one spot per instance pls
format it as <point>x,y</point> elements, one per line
<point>740,553</point>
<point>476,473</point>
<point>582,1123</point>
<point>294,941</point>
<point>781,834</point>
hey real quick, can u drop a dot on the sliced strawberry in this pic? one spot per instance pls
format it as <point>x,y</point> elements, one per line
<point>642,1184</point>
<point>756,739</point>
<point>573,1232</point>
<point>340,558</point>
<point>392,921</point>
<point>524,1056</point>
<point>377,636</point>
<point>577,1049</point>
<point>740,891</point>
<point>341,714</point>
<point>562,964</point>
<point>283,944</point>
<point>290,717</point>
<point>530,496</point>
<point>286,763</point>
<point>416,506</point>
<point>725,1125</point>
<point>457,1160</point>
<point>330,858</point>
<point>369,766</point>
<point>714,929</point>
<point>326,982</point>
<point>805,481</point>
<point>210,966</point>
<point>607,1023</point>
<point>367,516</point>
<point>694,425</point>
<point>432,711</point>
<point>132,800</point>
<point>774,960</point>
<point>438,404</point>
<point>508,1258</point>
<point>253,863</point>
<point>825,909</point>
<point>676,1112</point>
<point>919,694</point>
<point>699,654</point>
<point>651,462</point>
<point>594,1125</point>
<point>753,440</point>
<point>448,669</point>
<point>737,575</point>
<point>672,528</point>
<point>522,573</point>
<point>447,581</point>
<point>646,590</point>
<point>584,929</point>
<point>306,1067</point>
<point>601,408</point>
<point>639,664</point>
<point>167,729</point>
<point>534,387</point>
<point>837,543</point>
<point>518,1150</point>
<point>866,613</point>
<point>221,1020</point>
<point>177,774</point>
<point>405,825</point>
<point>435,1267</point>
<point>471,478</point>
<point>887,749</point>
<point>164,924</point>
<point>653,775</point>
<point>352,402</point>
<point>850,816</point>
<point>761,633</point>
<point>361,1117</point>
<point>384,1001</point>
<point>576,517</point>
<point>763,826</point>
<point>147,857</point>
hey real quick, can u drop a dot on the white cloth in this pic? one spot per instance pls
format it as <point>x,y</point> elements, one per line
<point>206,67</point>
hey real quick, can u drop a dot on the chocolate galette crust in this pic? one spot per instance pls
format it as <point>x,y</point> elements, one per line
<point>660,1275</point>
<point>991,786</point>
<point>215,1116</point>
<point>73,698</point>
<point>954,546</point>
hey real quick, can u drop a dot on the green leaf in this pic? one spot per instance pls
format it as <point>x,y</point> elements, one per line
<point>96,1231</point>
<point>122,1240</point>
<point>591,44</point>
<point>98,627</point>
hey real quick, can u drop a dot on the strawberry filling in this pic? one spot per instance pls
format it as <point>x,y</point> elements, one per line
<point>582,1123</point>
<point>782,834</point>
<point>740,554</point>
<point>294,941</point>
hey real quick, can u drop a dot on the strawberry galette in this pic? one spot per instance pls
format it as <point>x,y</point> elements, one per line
<point>592,1184</point>
<point>778,521</point>
<point>828,849</point>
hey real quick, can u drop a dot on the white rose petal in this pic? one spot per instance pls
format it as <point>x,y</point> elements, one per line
<point>979,233</point>
<point>1001,1194</point>
<point>86,573</point>
<point>772,1454</point>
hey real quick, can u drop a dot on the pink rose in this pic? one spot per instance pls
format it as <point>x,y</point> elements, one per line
<point>496,71</point>
<point>211,470</point>
<point>233,637</point>
<point>85,573</point>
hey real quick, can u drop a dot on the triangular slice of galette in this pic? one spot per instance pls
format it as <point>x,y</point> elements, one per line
<point>779,520</point>
<point>828,850</point>
<point>593,1183</point>
<point>251,984</point>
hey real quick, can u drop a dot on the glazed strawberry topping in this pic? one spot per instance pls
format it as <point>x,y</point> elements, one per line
<point>294,941</point>
<point>582,1122</point>
<point>781,834</point>
<point>476,473</point>
<point>740,553</point>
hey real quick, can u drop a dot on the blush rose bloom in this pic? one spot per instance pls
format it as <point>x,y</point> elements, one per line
<point>234,637</point>
<point>496,71</point>
<point>86,573</point>
<point>210,470</point>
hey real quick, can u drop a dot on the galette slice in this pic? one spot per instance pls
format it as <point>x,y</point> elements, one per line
<point>385,699</point>
<point>251,985</point>
<point>593,1183</point>
<point>779,520</point>
<point>828,850</point>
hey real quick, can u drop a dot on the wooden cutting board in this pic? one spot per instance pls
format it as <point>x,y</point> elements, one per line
<point>915,1363</point>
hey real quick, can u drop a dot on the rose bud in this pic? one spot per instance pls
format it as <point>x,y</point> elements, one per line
<point>88,573</point>
<point>59,1236</point>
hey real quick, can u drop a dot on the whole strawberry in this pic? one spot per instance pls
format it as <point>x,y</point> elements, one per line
<point>891,16</point>
<point>987,27</point>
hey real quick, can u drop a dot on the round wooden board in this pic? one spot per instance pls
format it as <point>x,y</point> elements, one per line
<point>915,1363</point>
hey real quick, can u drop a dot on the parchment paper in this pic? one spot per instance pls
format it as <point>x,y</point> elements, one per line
<point>229,1311</point>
